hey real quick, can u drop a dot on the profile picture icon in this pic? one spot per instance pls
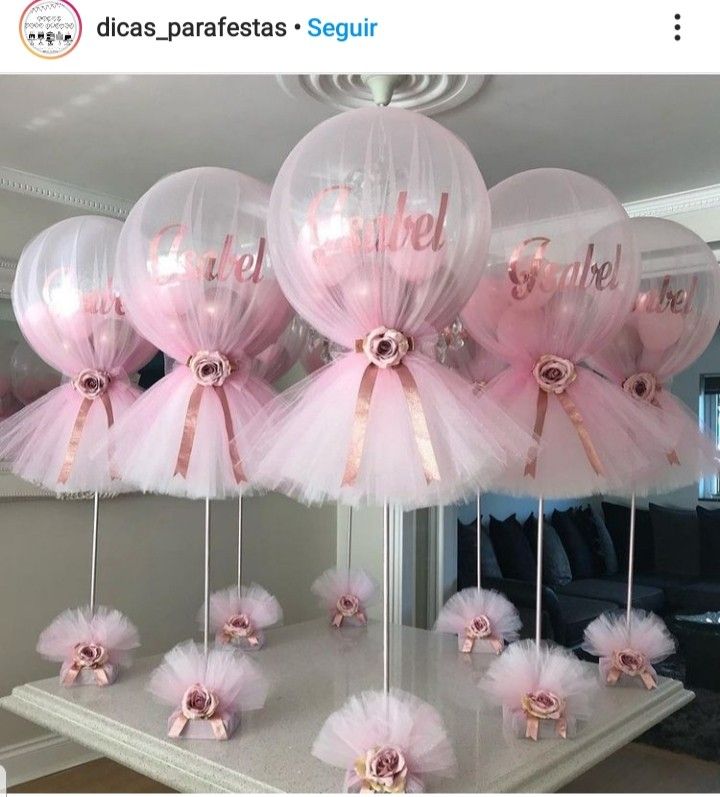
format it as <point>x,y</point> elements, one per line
<point>50,28</point>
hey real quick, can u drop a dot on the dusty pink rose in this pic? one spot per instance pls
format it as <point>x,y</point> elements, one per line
<point>479,628</point>
<point>629,661</point>
<point>384,770</point>
<point>641,386</point>
<point>199,703</point>
<point>91,383</point>
<point>554,374</point>
<point>90,655</point>
<point>543,704</point>
<point>385,347</point>
<point>238,625</point>
<point>347,605</point>
<point>210,368</point>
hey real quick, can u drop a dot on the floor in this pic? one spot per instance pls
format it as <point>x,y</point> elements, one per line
<point>636,768</point>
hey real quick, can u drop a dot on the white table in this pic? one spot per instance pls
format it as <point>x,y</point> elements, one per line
<point>312,670</point>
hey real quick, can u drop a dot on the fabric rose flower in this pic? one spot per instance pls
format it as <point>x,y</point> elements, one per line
<point>91,383</point>
<point>238,625</point>
<point>554,374</point>
<point>629,661</point>
<point>382,771</point>
<point>543,704</point>
<point>90,655</point>
<point>385,348</point>
<point>347,605</point>
<point>210,368</point>
<point>199,703</point>
<point>479,628</point>
<point>641,386</point>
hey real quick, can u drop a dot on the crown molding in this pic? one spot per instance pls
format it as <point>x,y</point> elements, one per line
<point>697,199</point>
<point>35,185</point>
<point>7,274</point>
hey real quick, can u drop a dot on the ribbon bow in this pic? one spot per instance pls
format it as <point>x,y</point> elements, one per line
<point>198,703</point>
<point>386,348</point>
<point>88,657</point>
<point>481,628</point>
<point>239,626</point>
<point>210,369</point>
<point>91,384</point>
<point>632,663</point>
<point>644,386</point>
<point>554,375</point>
<point>543,705</point>
<point>348,606</point>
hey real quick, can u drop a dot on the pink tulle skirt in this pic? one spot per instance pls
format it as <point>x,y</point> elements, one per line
<point>303,446</point>
<point>36,440</point>
<point>627,436</point>
<point>689,454</point>
<point>147,441</point>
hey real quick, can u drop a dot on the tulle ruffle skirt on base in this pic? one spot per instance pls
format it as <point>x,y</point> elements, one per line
<point>626,437</point>
<point>304,445</point>
<point>148,441</point>
<point>36,440</point>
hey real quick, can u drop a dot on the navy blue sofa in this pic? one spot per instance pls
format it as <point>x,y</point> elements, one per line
<point>677,564</point>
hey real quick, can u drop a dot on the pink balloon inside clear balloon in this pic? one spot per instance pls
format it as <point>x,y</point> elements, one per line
<point>66,302</point>
<point>518,330</point>
<point>659,332</point>
<point>195,268</point>
<point>379,217</point>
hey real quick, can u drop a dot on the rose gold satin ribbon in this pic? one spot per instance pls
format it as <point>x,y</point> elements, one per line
<point>577,421</point>
<point>339,617</point>
<point>532,725</point>
<point>190,425</point>
<point>180,722</point>
<point>671,456</point>
<point>227,637</point>
<point>470,639</point>
<point>74,670</point>
<point>76,435</point>
<point>645,675</point>
<point>417,417</point>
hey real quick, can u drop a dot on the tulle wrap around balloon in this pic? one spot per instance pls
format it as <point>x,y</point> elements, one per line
<point>31,376</point>
<point>674,317</point>
<point>378,228</point>
<point>9,402</point>
<point>279,357</point>
<point>561,278</point>
<point>197,281</point>
<point>66,302</point>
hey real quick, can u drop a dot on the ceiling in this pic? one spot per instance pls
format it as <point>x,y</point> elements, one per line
<point>642,135</point>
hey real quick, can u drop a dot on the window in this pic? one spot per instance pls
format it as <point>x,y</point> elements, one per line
<point>709,414</point>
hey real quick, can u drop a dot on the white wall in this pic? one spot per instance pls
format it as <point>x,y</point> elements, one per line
<point>150,567</point>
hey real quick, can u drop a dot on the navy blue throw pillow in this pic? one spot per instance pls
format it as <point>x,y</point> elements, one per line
<point>556,566</point>
<point>512,548</point>
<point>576,546</point>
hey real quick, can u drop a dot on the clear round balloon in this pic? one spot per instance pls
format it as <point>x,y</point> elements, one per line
<point>66,301</point>
<point>379,217</point>
<point>195,271</point>
<point>562,270</point>
<point>677,307</point>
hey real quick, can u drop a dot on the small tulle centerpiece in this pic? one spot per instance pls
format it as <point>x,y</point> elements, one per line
<point>386,743</point>
<point>543,693</point>
<point>207,692</point>
<point>627,651</point>
<point>345,595</point>
<point>239,617</point>
<point>482,619</point>
<point>91,646</point>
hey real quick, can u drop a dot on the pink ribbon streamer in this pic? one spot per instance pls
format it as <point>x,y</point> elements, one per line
<point>76,435</point>
<point>359,615</point>
<point>71,674</point>
<point>180,722</point>
<point>190,426</point>
<point>468,644</point>
<point>645,675</point>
